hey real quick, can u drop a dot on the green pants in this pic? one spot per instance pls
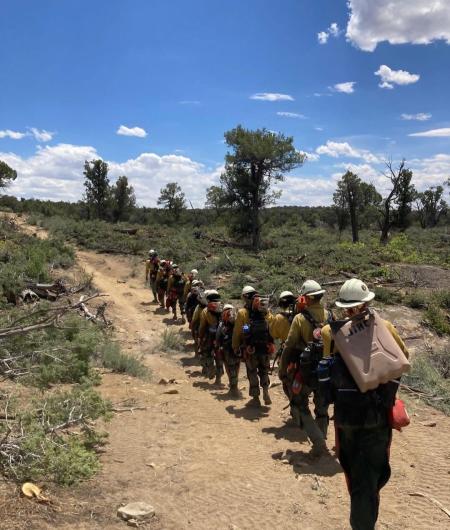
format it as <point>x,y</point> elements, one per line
<point>258,367</point>
<point>232,364</point>
<point>153,287</point>
<point>316,428</point>
<point>364,457</point>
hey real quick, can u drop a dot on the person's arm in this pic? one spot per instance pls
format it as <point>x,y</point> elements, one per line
<point>203,324</point>
<point>147,269</point>
<point>290,346</point>
<point>397,338</point>
<point>237,331</point>
<point>327,341</point>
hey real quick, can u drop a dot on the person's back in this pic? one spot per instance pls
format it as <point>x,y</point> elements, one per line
<point>361,419</point>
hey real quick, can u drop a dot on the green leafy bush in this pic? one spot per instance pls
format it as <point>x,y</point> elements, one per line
<point>118,362</point>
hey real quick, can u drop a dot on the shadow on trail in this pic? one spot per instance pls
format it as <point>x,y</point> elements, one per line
<point>169,321</point>
<point>206,385</point>
<point>186,334</point>
<point>225,396</point>
<point>161,311</point>
<point>190,361</point>
<point>289,432</point>
<point>248,413</point>
<point>304,464</point>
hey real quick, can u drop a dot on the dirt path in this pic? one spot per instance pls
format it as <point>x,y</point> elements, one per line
<point>205,462</point>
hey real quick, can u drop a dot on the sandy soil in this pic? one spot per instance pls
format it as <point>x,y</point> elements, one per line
<point>206,462</point>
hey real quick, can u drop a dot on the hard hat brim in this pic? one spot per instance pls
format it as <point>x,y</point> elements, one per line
<point>314,293</point>
<point>354,303</point>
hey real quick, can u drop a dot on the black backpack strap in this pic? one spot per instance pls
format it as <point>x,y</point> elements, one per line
<point>310,319</point>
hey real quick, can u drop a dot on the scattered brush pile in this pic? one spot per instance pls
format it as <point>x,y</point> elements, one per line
<point>51,344</point>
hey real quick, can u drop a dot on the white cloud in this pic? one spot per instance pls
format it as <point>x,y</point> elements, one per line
<point>346,88</point>
<point>318,128</point>
<point>14,135</point>
<point>131,131</point>
<point>397,22</point>
<point>291,115</point>
<point>299,191</point>
<point>332,31</point>
<point>322,37</point>
<point>310,157</point>
<point>41,135</point>
<point>434,133</point>
<point>271,96</point>
<point>344,149</point>
<point>56,172</point>
<point>421,116</point>
<point>390,77</point>
<point>431,171</point>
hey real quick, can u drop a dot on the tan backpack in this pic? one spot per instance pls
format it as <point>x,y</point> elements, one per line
<point>369,350</point>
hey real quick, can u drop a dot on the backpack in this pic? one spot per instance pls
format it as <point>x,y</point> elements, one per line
<point>355,409</point>
<point>310,357</point>
<point>256,333</point>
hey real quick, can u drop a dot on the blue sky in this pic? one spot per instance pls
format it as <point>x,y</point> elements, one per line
<point>350,81</point>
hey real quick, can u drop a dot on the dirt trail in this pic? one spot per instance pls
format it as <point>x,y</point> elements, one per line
<point>206,462</point>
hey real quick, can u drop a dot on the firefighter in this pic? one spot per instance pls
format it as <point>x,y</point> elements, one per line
<point>361,420</point>
<point>175,292</point>
<point>252,340</point>
<point>224,349</point>
<point>209,322</point>
<point>151,271</point>
<point>297,384</point>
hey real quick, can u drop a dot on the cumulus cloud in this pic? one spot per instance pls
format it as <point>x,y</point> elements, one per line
<point>344,149</point>
<point>397,22</point>
<point>271,96</point>
<point>14,135</point>
<point>434,133</point>
<point>291,115</point>
<point>421,116</point>
<point>390,77</point>
<point>310,157</point>
<point>41,135</point>
<point>131,131</point>
<point>56,172</point>
<point>345,88</point>
<point>300,191</point>
<point>332,31</point>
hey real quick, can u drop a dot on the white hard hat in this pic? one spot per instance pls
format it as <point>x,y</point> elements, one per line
<point>311,288</point>
<point>286,294</point>
<point>227,306</point>
<point>194,272</point>
<point>353,293</point>
<point>248,289</point>
<point>152,252</point>
<point>195,283</point>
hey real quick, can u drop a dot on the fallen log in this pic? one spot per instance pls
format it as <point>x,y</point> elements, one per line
<point>128,231</point>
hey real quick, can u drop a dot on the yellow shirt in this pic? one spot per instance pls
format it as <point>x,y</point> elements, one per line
<point>279,326</point>
<point>196,317</point>
<point>207,319</point>
<point>300,333</point>
<point>242,318</point>
<point>187,288</point>
<point>327,339</point>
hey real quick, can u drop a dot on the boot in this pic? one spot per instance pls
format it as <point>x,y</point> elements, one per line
<point>218,380</point>
<point>318,449</point>
<point>295,414</point>
<point>322,423</point>
<point>254,402</point>
<point>183,320</point>
<point>266,397</point>
<point>234,391</point>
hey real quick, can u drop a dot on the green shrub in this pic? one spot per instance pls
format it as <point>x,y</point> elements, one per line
<point>171,341</point>
<point>118,362</point>
<point>416,300</point>
<point>41,441</point>
<point>437,319</point>
<point>387,296</point>
<point>430,374</point>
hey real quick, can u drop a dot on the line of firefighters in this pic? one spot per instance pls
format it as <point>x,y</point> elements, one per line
<point>309,365</point>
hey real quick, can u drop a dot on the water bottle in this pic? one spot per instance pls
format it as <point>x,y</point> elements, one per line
<point>324,379</point>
